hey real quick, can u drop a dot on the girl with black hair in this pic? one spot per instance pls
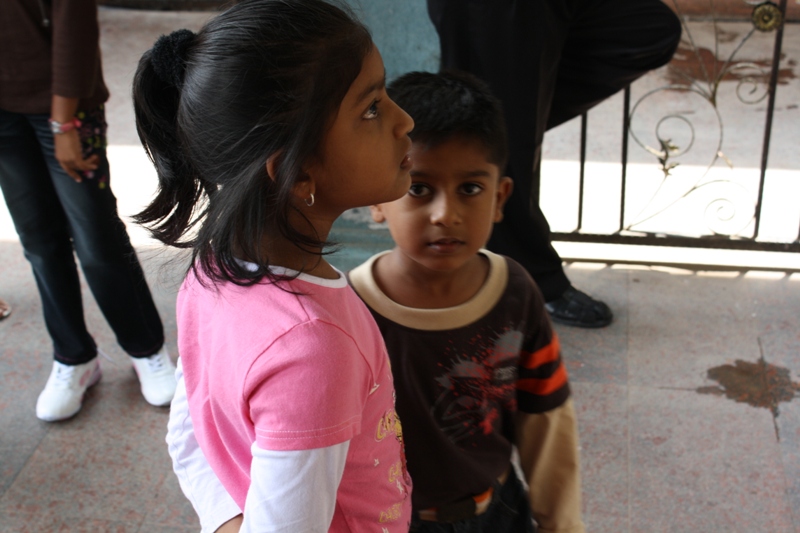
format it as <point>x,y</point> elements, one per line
<point>264,127</point>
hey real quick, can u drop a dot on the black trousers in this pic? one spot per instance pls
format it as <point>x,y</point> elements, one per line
<point>57,218</point>
<point>548,61</point>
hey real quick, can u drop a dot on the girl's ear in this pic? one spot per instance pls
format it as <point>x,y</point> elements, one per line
<point>304,186</point>
<point>304,189</point>
<point>377,213</point>
<point>272,165</point>
<point>504,188</point>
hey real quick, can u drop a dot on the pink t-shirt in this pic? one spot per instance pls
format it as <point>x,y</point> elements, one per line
<point>295,372</point>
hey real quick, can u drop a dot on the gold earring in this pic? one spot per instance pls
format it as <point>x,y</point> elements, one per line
<point>310,203</point>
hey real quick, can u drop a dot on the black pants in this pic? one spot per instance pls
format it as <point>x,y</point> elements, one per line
<point>509,512</point>
<point>548,61</point>
<point>53,216</point>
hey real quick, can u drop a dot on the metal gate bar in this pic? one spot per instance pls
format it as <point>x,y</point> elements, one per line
<point>773,84</point>
<point>623,236</point>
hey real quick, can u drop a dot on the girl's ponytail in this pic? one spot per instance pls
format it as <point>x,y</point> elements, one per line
<point>157,89</point>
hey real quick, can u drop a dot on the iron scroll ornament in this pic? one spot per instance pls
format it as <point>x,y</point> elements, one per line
<point>751,89</point>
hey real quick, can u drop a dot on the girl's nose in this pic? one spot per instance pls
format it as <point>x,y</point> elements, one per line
<point>404,122</point>
<point>444,211</point>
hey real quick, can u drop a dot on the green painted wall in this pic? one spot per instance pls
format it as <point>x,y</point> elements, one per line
<point>403,33</point>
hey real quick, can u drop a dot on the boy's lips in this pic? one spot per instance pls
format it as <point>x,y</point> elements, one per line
<point>446,245</point>
<point>405,164</point>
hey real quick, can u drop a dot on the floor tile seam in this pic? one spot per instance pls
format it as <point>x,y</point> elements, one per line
<point>794,514</point>
<point>141,523</point>
<point>629,465</point>
<point>26,515</point>
<point>63,518</point>
<point>24,465</point>
<point>159,485</point>
<point>627,299</point>
<point>795,519</point>
<point>62,521</point>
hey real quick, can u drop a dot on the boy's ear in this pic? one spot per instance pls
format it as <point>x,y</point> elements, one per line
<point>377,213</point>
<point>504,188</point>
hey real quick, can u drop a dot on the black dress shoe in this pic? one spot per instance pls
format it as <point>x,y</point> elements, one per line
<point>576,308</point>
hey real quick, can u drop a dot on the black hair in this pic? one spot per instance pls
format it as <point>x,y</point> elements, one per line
<point>263,78</point>
<point>452,104</point>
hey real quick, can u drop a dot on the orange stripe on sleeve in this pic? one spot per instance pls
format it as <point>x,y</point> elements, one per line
<point>543,387</point>
<point>545,354</point>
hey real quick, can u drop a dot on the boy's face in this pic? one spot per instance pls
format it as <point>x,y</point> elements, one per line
<point>456,196</point>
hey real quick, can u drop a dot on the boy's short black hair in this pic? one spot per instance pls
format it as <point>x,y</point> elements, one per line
<point>452,104</point>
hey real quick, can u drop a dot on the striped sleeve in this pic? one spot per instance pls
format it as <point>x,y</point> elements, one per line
<point>542,384</point>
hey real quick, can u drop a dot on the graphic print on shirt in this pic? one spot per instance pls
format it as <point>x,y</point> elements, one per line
<point>389,426</point>
<point>478,385</point>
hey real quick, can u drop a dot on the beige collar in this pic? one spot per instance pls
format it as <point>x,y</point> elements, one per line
<point>485,299</point>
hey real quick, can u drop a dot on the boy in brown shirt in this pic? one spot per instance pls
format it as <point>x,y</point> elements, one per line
<point>476,362</point>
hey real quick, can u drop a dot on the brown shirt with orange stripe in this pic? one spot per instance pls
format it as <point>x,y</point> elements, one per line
<point>465,376</point>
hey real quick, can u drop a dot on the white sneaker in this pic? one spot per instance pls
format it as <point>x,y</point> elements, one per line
<point>63,393</point>
<point>157,377</point>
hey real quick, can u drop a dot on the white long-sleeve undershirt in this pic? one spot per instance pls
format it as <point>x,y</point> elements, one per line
<point>290,491</point>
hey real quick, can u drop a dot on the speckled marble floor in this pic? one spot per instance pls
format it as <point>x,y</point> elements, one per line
<point>688,404</point>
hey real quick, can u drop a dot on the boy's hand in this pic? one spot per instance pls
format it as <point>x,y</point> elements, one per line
<point>232,525</point>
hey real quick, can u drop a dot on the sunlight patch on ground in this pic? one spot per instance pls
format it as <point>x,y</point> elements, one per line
<point>691,201</point>
<point>762,274</point>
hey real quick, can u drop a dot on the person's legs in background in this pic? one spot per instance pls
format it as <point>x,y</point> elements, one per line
<point>44,234</point>
<point>51,212</point>
<point>108,260</point>
<point>548,61</point>
<point>611,44</point>
<point>101,243</point>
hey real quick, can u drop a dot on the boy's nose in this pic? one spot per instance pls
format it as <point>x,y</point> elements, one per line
<point>444,211</point>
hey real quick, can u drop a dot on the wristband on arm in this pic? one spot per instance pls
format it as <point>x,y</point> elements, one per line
<point>63,127</point>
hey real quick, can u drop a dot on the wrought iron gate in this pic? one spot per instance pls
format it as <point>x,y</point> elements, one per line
<point>751,77</point>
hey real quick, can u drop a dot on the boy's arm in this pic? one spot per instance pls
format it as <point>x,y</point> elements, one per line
<point>201,486</point>
<point>548,449</point>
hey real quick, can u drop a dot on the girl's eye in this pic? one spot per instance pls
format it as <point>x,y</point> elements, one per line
<point>471,189</point>
<point>418,189</point>
<point>372,112</point>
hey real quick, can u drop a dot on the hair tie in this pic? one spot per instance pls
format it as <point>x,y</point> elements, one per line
<point>168,56</point>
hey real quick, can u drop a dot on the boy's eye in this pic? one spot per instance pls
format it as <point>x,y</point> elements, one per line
<point>372,112</point>
<point>418,189</point>
<point>471,189</point>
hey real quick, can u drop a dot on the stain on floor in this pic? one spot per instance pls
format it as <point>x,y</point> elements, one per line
<point>759,384</point>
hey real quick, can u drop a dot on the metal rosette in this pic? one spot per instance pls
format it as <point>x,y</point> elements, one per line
<point>767,17</point>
